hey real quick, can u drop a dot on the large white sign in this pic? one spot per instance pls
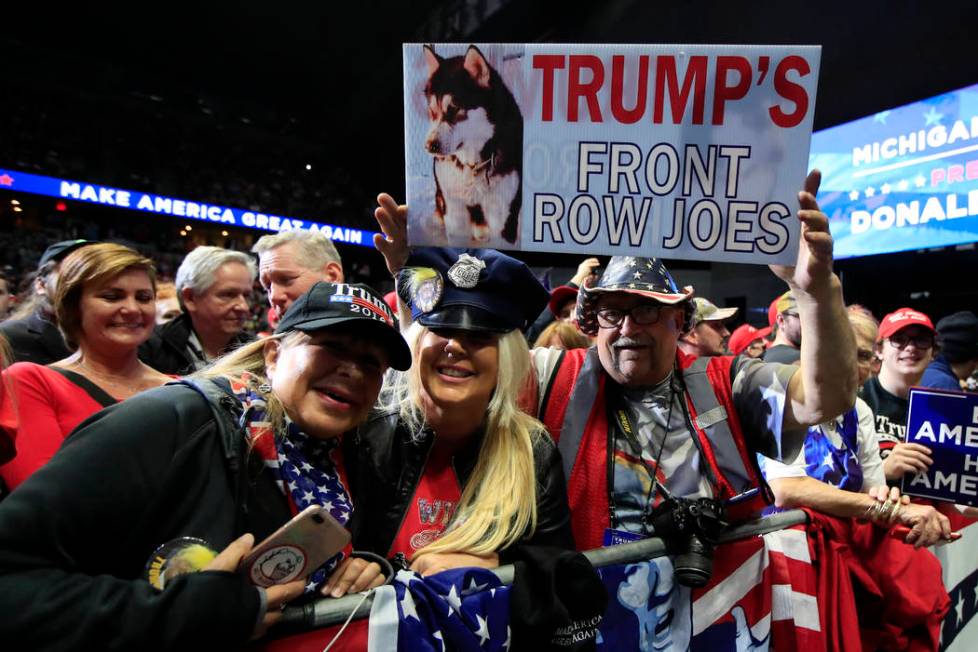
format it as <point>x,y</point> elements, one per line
<point>678,151</point>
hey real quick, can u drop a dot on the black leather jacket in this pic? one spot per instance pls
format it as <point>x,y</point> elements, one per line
<point>34,339</point>
<point>75,537</point>
<point>388,466</point>
<point>166,349</point>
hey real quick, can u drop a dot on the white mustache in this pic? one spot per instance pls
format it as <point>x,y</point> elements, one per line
<point>624,342</point>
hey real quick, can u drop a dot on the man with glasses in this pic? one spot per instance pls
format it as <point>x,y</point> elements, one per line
<point>639,421</point>
<point>905,347</point>
<point>787,332</point>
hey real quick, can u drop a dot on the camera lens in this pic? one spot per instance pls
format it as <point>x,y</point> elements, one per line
<point>694,565</point>
<point>317,519</point>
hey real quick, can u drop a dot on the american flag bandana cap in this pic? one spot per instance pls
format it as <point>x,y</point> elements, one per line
<point>647,277</point>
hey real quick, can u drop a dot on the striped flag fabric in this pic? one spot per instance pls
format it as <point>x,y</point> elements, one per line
<point>761,595</point>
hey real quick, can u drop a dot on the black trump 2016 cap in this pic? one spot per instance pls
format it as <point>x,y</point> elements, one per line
<point>326,305</point>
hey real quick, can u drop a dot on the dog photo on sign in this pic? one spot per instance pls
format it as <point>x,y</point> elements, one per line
<point>475,141</point>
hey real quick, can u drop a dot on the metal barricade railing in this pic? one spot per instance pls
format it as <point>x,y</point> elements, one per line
<point>333,611</point>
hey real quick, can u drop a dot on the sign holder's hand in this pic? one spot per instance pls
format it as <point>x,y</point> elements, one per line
<point>392,242</point>
<point>813,269</point>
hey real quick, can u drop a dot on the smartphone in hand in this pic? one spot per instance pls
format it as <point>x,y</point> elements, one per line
<point>297,548</point>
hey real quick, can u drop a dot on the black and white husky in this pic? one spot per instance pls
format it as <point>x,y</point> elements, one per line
<point>476,139</point>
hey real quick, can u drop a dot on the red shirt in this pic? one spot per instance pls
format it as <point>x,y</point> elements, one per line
<point>49,407</point>
<point>432,505</point>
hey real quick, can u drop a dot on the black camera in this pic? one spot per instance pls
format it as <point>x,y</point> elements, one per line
<point>690,529</point>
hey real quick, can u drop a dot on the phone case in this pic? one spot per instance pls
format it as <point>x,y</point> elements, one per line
<point>297,548</point>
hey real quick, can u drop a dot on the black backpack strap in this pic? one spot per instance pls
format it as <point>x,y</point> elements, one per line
<point>227,412</point>
<point>97,394</point>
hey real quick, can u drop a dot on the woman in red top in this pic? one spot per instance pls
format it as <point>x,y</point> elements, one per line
<point>105,304</point>
<point>451,470</point>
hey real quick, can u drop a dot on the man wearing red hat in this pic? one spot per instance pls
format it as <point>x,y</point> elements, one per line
<point>748,340</point>
<point>905,346</point>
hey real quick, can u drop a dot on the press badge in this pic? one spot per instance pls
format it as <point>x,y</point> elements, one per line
<point>614,537</point>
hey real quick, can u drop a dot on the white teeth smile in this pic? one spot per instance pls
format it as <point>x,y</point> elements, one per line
<point>454,373</point>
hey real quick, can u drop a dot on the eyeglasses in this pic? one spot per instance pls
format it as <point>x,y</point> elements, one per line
<point>643,314</point>
<point>865,355</point>
<point>790,314</point>
<point>922,342</point>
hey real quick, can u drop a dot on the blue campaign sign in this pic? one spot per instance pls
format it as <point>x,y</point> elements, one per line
<point>37,184</point>
<point>904,178</point>
<point>947,423</point>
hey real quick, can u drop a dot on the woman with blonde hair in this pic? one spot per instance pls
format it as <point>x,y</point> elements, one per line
<point>454,471</point>
<point>866,329</point>
<point>216,462</point>
<point>104,303</point>
<point>562,335</point>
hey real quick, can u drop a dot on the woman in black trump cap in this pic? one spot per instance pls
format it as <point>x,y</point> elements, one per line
<point>456,473</point>
<point>95,546</point>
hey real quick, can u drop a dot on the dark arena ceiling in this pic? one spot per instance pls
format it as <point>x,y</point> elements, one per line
<point>322,81</point>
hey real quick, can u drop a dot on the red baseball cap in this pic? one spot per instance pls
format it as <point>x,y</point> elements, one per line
<point>391,300</point>
<point>902,318</point>
<point>741,338</point>
<point>559,296</point>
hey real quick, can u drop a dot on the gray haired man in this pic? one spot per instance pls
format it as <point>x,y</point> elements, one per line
<point>213,286</point>
<point>291,262</point>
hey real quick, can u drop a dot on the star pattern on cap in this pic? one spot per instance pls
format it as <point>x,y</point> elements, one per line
<point>629,274</point>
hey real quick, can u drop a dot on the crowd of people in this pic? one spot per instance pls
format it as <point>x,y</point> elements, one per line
<point>134,420</point>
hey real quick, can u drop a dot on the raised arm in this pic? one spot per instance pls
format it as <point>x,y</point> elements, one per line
<point>392,243</point>
<point>825,384</point>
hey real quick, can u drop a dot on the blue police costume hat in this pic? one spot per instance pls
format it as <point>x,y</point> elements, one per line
<point>646,277</point>
<point>470,289</point>
<point>327,305</point>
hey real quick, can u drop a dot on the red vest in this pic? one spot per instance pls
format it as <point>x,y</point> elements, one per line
<point>575,413</point>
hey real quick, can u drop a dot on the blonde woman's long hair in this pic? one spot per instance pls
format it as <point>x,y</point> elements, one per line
<point>498,505</point>
<point>247,364</point>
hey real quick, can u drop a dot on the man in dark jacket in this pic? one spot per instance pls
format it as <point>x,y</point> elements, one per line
<point>35,337</point>
<point>213,286</point>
